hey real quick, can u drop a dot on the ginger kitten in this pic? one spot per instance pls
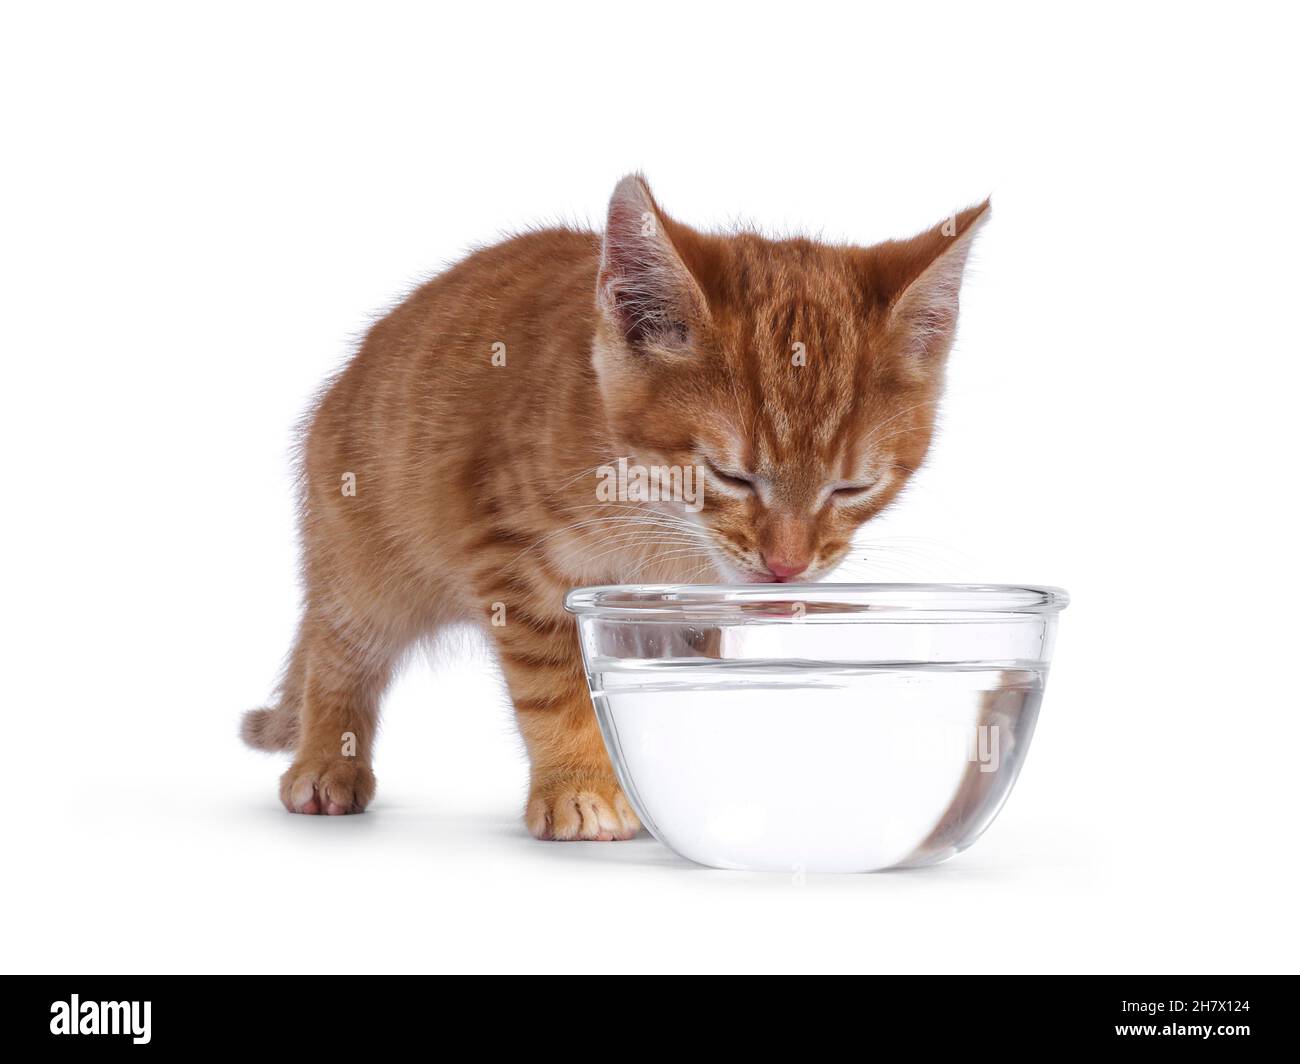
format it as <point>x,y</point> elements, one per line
<point>451,471</point>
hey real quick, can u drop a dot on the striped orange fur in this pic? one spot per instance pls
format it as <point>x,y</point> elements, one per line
<point>450,472</point>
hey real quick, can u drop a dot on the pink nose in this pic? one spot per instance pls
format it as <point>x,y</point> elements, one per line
<point>785,570</point>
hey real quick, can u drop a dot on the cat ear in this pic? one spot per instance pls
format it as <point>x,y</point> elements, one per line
<point>921,279</point>
<point>643,289</point>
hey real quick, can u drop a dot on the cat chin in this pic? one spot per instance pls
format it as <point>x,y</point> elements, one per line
<point>732,575</point>
<point>729,573</point>
<point>748,577</point>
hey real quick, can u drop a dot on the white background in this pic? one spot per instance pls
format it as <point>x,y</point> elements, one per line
<point>203,209</point>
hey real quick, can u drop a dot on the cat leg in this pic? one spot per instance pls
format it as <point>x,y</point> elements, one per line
<point>346,666</point>
<point>572,793</point>
<point>982,788</point>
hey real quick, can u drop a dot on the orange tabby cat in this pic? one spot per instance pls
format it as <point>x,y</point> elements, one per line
<point>459,468</point>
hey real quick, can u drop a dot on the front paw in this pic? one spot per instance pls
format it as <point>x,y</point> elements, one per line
<point>568,808</point>
<point>332,785</point>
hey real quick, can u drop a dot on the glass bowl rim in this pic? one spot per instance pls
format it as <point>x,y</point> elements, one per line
<point>722,601</point>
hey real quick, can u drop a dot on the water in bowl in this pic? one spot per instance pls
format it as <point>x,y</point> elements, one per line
<point>804,766</point>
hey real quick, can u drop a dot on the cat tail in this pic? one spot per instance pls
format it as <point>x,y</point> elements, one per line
<point>272,728</point>
<point>276,727</point>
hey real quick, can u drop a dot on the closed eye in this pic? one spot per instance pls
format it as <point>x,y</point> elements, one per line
<point>740,481</point>
<point>849,492</point>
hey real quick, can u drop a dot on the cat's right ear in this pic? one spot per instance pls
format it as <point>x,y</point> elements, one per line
<point>644,290</point>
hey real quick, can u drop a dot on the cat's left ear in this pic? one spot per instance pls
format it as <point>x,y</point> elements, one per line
<point>921,282</point>
<point>644,289</point>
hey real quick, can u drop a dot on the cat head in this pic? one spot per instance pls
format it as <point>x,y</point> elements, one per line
<point>798,377</point>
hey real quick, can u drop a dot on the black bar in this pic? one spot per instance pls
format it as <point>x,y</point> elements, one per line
<point>313,1012</point>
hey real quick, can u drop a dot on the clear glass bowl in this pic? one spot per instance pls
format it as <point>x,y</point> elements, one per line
<point>817,727</point>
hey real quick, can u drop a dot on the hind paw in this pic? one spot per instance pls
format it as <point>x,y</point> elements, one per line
<point>330,785</point>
